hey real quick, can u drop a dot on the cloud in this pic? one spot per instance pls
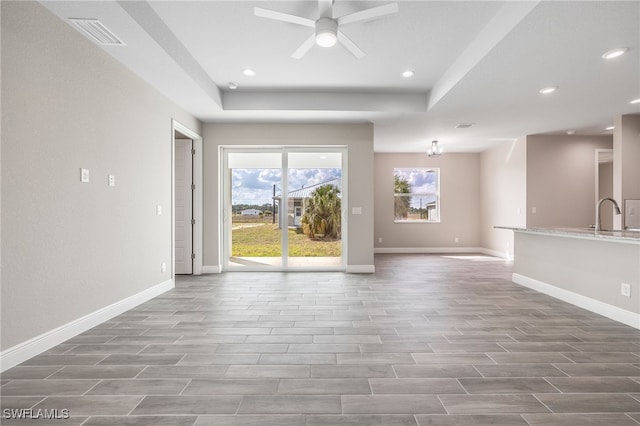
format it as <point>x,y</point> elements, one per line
<point>422,181</point>
<point>255,186</point>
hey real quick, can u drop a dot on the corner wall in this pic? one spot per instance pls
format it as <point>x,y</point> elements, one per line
<point>503,191</point>
<point>71,249</point>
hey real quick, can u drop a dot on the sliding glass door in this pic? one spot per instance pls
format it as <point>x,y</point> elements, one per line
<point>283,208</point>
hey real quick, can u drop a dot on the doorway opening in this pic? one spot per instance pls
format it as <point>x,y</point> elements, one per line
<point>187,201</point>
<point>284,208</point>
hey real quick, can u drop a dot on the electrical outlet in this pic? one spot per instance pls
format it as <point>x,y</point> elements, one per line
<point>625,289</point>
<point>163,267</point>
<point>379,239</point>
<point>111,181</point>
<point>456,239</point>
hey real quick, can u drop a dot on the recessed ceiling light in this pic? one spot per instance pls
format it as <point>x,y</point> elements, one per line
<point>408,74</point>
<point>635,101</point>
<point>232,85</point>
<point>615,53</point>
<point>610,128</point>
<point>248,72</point>
<point>547,90</point>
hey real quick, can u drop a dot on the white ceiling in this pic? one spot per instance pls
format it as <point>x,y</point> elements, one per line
<point>475,62</point>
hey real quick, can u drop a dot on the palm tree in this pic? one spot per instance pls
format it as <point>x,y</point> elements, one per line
<point>401,204</point>
<point>322,213</point>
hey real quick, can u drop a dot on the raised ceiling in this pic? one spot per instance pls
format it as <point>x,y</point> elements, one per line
<point>475,62</point>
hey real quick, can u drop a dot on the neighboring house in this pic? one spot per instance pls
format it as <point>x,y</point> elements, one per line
<point>251,212</point>
<point>295,207</point>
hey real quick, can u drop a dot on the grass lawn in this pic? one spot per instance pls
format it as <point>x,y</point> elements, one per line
<point>263,240</point>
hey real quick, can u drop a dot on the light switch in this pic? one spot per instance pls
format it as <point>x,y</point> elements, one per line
<point>356,210</point>
<point>112,180</point>
<point>158,209</point>
<point>84,175</point>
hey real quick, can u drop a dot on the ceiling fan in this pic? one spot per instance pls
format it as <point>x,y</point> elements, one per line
<point>327,28</point>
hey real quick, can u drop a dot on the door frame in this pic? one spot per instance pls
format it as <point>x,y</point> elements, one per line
<point>197,196</point>
<point>284,150</point>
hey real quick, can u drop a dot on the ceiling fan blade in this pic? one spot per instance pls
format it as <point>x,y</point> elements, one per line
<point>367,14</point>
<point>350,46</point>
<point>325,7</point>
<point>285,17</point>
<point>304,47</point>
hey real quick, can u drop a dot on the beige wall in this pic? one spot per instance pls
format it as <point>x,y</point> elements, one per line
<point>503,191</point>
<point>561,179</point>
<point>71,248</point>
<point>605,189</point>
<point>358,138</point>
<point>459,200</point>
<point>626,172</point>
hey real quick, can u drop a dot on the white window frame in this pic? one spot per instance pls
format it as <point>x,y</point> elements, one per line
<point>414,194</point>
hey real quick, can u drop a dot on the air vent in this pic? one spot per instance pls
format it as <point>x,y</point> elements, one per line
<point>97,31</point>
<point>464,125</point>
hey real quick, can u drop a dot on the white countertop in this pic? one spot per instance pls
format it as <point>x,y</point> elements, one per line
<point>632,237</point>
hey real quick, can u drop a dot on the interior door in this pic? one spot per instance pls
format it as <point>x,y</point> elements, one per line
<point>183,206</point>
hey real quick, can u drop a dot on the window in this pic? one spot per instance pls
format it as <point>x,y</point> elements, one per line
<point>416,195</point>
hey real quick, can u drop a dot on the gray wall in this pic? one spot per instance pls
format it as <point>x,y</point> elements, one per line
<point>561,179</point>
<point>588,267</point>
<point>72,248</point>
<point>459,198</point>
<point>605,189</point>
<point>358,138</point>
<point>626,158</point>
<point>503,191</point>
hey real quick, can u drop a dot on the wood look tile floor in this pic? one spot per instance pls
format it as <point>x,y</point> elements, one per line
<point>426,340</point>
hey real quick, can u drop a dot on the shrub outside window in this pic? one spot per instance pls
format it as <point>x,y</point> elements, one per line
<point>416,195</point>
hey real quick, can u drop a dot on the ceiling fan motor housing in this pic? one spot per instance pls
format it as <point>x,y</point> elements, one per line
<point>326,32</point>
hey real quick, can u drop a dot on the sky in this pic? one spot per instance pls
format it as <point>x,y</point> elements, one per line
<point>422,181</point>
<point>255,186</point>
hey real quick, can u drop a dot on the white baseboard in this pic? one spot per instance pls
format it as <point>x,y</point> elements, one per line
<point>360,269</point>
<point>427,250</point>
<point>211,269</point>
<point>441,250</point>
<point>32,347</point>
<point>618,314</point>
<point>495,253</point>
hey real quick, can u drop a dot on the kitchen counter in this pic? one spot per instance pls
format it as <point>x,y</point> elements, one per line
<point>632,237</point>
<point>598,271</point>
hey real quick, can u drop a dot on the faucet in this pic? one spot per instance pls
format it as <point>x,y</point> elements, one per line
<point>599,206</point>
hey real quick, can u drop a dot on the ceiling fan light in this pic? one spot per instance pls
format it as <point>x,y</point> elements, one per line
<point>326,32</point>
<point>326,39</point>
